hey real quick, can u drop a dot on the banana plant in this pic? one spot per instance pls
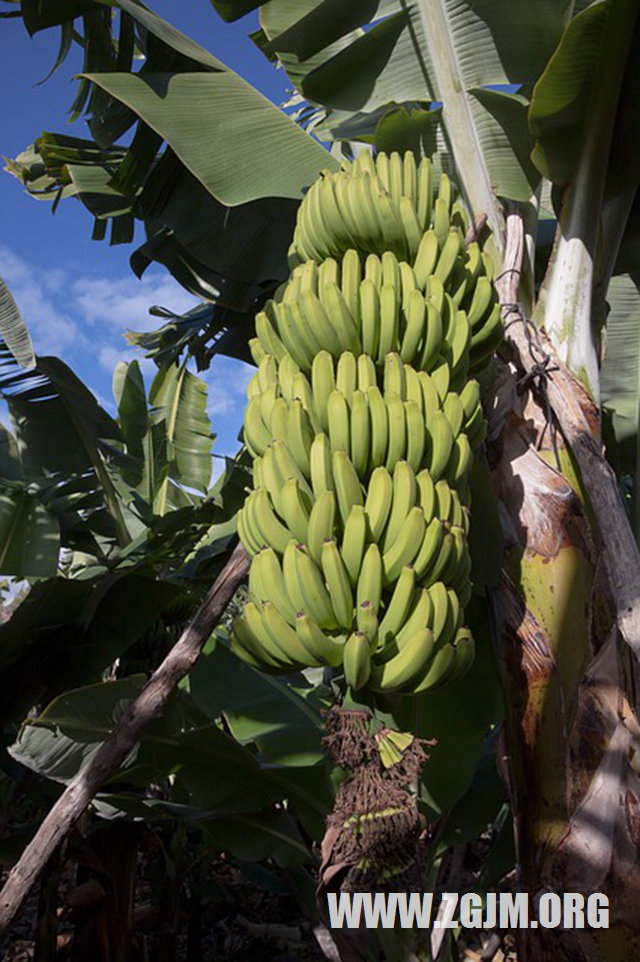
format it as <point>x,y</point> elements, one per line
<point>525,104</point>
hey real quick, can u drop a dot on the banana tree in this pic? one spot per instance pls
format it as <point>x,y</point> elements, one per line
<point>531,110</point>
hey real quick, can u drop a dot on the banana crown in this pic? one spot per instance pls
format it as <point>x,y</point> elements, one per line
<point>362,420</point>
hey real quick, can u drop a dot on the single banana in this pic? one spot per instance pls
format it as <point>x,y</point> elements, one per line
<point>268,336</point>
<point>369,298</point>
<point>379,419</point>
<point>266,583</point>
<point>300,435</point>
<point>320,465</point>
<point>323,383</point>
<point>410,177</point>
<point>328,273</point>
<point>286,637</point>
<point>416,435</point>
<point>347,484</point>
<point>263,524</point>
<point>318,320</point>
<point>441,610</point>
<point>305,586</point>
<point>337,581</point>
<point>441,221</point>
<point>481,302</point>
<point>420,616</point>
<point>405,547</point>
<point>356,660</point>
<point>295,509</point>
<point>426,258</point>
<point>444,500</point>
<point>360,432</point>
<point>267,371</point>
<point>429,549</point>
<point>411,225</point>
<point>321,523</point>
<point>397,430</point>
<point>367,376</point>
<point>394,376</point>
<point>288,468</point>
<point>373,270</point>
<point>433,337</point>
<point>287,373</point>
<point>441,377</point>
<point>470,399</point>
<point>460,462</point>
<point>339,422</point>
<point>404,499</point>
<point>367,623</point>
<point>350,282</point>
<point>454,412</point>
<point>414,391</point>
<point>411,662</point>
<point>450,251</point>
<point>438,671</point>
<point>251,543</point>
<point>389,321</point>
<point>341,318</point>
<point>398,606</point>
<point>370,578</point>
<point>378,502</point>
<point>256,433</point>
<point>427,494</point>
<point>279,421</point>
<point>416,325</point>
<point>425,192</point>
<point>347,374</point>
<point>407,284</point>
<point>324,648</point>
<point>396,177</point>
<point>353,542</point>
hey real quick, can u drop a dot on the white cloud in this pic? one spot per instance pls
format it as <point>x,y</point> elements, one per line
<point>227,380</point>
<point>124,303</point>
<point>53,330</point>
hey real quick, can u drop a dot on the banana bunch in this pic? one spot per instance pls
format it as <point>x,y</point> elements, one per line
<point>362,420</point>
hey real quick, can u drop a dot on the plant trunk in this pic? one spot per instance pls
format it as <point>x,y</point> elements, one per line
<point>571,728</point>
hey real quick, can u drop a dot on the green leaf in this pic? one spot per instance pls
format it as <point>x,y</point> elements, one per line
<point>13,330</point>
<point>29,536</point>
<point>560,102</point>
<point>573,117</point>
<point>620,374</point>
<point>179,402</point>
<point>66,632</point>
<point>209,119</point>
<point>258,708</point>
<point>459,717</point>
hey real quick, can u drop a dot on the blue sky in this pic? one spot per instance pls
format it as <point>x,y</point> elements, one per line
<point>79,296</point>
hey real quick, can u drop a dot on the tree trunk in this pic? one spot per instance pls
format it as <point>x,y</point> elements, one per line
<point>571,728</point>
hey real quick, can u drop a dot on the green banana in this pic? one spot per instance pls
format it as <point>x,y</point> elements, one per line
<point>347,484</point>
<point>360,433</point>
<point>369,586</point>
<point>356,660</point>
<point>353,542</point>
<point>320,465</point>
<point>337,581</point>
<point>378,502</point>
<point>347,374</point>
<point>324,648</point>
<point>405,547</point>
<point>339,422</point>
<point>398,606</point>
<point>411,662</point>
<point>321,523</point>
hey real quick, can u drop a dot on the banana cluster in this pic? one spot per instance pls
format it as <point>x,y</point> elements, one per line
<point>362,420</point>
